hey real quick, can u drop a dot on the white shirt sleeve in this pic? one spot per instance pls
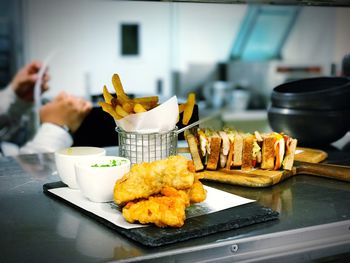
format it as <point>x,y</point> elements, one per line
<point>49,138</point>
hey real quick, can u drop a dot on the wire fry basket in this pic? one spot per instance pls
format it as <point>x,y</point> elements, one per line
<point>147,147</point>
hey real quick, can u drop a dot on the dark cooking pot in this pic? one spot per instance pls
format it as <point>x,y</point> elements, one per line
<point>310,127</point>
<point>321,93</point>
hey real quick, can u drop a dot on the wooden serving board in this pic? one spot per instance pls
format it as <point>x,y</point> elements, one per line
<point>310,155</point>
<point>254,178</point>
<point>306,162</point>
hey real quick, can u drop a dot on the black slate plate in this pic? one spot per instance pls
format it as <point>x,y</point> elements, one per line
<point>232,218</point>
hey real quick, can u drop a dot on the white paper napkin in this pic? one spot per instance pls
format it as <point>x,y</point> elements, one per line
<point>216,200</point>
<point>37,88</point>
<point>162,118</point>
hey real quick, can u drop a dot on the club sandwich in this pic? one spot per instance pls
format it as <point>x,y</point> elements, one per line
<point>230,149</point>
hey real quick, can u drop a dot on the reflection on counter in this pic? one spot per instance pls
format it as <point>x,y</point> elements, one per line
<point>93,242</point>
<point>37,165</point>
<point>92,239</point>
<point>278,197</point>
<point>67,223</point>
<point>97,241</point>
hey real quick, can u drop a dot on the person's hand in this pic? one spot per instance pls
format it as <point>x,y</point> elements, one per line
<point>24,81</point>
<point>65,110</point>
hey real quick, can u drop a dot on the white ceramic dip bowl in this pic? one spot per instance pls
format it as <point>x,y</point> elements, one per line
<point>66,158</point>
<point>96,178</point>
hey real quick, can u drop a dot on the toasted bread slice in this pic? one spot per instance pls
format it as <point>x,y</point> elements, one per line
<point>194,150</point>
<point>214,155</point>
<point>247,155</point>
<point>268,152</point>
<point>288,160</point>
<point>238,149</point>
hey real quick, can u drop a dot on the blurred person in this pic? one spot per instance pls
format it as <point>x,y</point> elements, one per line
<point>59,118</point>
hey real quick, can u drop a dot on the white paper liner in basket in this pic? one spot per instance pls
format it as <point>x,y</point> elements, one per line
<point>162,118</point>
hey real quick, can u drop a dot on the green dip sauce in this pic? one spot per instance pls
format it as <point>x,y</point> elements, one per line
<point>112,163</point>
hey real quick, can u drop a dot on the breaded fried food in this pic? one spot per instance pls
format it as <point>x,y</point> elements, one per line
<point>197,193</point>
<point>166,209</point>
<point>159,192</point>
<point>147,179</point>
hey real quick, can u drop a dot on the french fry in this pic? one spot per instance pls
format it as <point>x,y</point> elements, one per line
<point>109,109</point>
<point>121,105</point>
<point>182,107</point>
<point>114,102</point>
<point>117,84</point>
<point>191,101</point>
<point>139,108</point>
<point>128,107</point>
<point>120,111</point>
<point>123,99</point>
<point>147,107</point>
<point>117,101</point>
<point>107,96</point>
<point>147,102</point>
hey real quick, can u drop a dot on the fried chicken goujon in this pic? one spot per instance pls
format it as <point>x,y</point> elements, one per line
<point>167,209</point>
<point>148,179</point>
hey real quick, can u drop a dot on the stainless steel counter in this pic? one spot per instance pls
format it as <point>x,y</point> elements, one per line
<point>314,223</point>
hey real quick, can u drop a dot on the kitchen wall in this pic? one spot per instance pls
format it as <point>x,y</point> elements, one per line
<point>312,40</point>
<point>85,36</point>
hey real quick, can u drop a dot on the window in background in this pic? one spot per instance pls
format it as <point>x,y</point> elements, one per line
<point>264,32</point>
<point>129,39</point>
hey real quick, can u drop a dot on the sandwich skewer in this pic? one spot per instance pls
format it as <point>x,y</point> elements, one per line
<point>231,149</point>
<point>256,160</point>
